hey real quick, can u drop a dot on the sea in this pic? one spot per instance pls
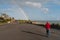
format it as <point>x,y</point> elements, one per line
<point>51,22</point>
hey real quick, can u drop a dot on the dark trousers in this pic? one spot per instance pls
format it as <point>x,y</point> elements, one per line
<point>48,32</point>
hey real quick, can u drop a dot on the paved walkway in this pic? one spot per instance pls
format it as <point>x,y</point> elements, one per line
<point>26,32</point>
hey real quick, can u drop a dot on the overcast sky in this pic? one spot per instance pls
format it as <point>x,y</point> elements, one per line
<point>31,9</point>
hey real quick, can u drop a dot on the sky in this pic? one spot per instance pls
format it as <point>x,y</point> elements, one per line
<point>31,9</point>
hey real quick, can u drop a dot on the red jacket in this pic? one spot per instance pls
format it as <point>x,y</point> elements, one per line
<point>47,25</point>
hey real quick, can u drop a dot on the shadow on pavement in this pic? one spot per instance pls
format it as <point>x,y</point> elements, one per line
<point>34,33</point>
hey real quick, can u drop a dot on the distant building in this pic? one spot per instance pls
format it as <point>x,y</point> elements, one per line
<point>6,17</point>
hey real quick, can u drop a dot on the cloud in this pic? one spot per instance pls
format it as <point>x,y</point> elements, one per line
<point>30,3</point>
<point>57,2</point>
<point>37,5</point>
<point>22,1</point>
<point>45,10</point>
<point>34,4</point>
<point>53,1</point>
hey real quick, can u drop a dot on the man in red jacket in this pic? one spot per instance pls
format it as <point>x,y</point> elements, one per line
<point>47,26</point>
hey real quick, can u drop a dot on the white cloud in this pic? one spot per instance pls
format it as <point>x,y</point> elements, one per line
<point>38,1</point>
<point>34,4</point>
<point>30,3</point>
<point>45,10</point>
<point>37,5</point>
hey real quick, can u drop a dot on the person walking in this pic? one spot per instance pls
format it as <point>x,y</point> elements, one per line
<point>48,26</point>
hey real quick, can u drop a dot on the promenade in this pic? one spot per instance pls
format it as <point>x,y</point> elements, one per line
<point>26,32</point>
